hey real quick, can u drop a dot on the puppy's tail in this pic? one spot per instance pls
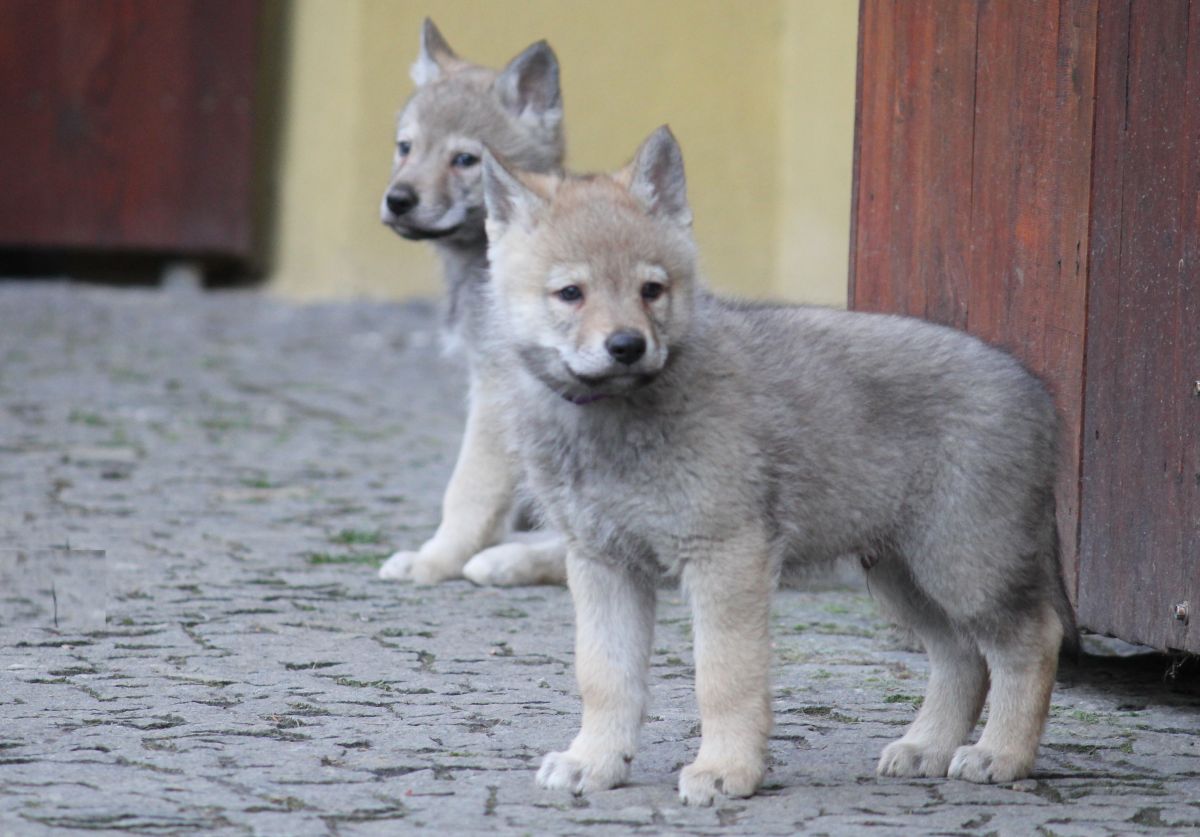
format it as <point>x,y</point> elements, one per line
<point>1062,602</point>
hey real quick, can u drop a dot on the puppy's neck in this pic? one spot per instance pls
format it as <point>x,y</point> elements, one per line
<point>463,261</point>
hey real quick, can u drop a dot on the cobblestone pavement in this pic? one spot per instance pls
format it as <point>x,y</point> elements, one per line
<point>245,464</point>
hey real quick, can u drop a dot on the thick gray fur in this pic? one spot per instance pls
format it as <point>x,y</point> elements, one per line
<point>748,437</point>
<point>915,446</point>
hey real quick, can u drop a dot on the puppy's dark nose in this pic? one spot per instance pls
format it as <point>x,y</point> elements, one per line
<point>401,199</point>
<point>626,347</point>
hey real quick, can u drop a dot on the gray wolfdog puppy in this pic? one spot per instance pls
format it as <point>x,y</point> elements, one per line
<point>665,430</point>
<point>436,195</point>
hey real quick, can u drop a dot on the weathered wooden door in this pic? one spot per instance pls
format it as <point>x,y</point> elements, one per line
<point>1030,172</point>
<point>128,125</point>
<point>1140,548</point>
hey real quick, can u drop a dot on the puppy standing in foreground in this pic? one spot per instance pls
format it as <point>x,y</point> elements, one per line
<point>436,195</point>
<point>666,430</point>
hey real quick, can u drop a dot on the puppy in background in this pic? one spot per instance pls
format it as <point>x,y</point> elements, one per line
<point>435,194</point>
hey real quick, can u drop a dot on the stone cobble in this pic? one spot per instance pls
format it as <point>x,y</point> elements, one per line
<point>245,463</point>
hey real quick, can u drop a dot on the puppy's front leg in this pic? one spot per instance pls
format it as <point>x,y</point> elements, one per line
<point>614,626</point>
<point>476,504</point>
<point>730,590</point>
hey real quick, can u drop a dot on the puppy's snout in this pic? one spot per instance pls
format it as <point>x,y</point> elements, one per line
<point>401,199</point>
<point>626,346</point>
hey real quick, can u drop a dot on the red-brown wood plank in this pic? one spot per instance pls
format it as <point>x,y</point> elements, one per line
<point>1140,550</point>
<point>972,183</point>
<point>912,193</point>
<point>129,124</point>
<point>1189,344</point>
<point>1029,214</point>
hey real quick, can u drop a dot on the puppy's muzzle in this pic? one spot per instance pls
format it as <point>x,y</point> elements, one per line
<point>401,199</point>
<point>626,346</point>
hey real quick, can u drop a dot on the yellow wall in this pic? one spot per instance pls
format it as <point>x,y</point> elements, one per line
<point>817,70</point>
<point>759,93</point>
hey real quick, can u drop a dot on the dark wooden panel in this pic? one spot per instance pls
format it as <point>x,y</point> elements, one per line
<point>912,216</point>
<point>1029,210</point>
<point>972,183</point>
<point>1140,550</point>
<point>128,124</point>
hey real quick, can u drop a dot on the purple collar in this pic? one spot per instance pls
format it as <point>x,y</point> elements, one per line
<point>586,399</point>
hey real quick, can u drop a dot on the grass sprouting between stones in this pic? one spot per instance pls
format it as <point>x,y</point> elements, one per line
<point>354,537</point>
<point>370,559</point>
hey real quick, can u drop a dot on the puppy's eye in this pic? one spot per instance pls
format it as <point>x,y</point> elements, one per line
<point>571,293</point>
<point>464,161</point>
<point>404,146</point>
<point>652,291</point>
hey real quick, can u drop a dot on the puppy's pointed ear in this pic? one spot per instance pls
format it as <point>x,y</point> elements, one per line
<point>656,178</point>
<point>435,57</point>
<point>528,87</point>
<point>508,199</point>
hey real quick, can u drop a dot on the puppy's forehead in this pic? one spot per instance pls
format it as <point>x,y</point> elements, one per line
<point>594,219</point>
<point>562,273</point>
<point>460,104</point>
<point>599,192</point>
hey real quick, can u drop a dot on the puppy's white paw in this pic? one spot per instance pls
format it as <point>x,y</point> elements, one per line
<point>906,758</point>
<point>508,565</point>
<point>700,783</point>
<point>565,771</point>
<point>976,763</point>
<point>398,567</point>
<point>505,565</point>
<point>420,567</point>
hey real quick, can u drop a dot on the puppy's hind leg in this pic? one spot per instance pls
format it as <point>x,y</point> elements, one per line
<point>476,504</point>
<point>957,680</point>
<point>525,558</point>
<point>1023,663</point>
